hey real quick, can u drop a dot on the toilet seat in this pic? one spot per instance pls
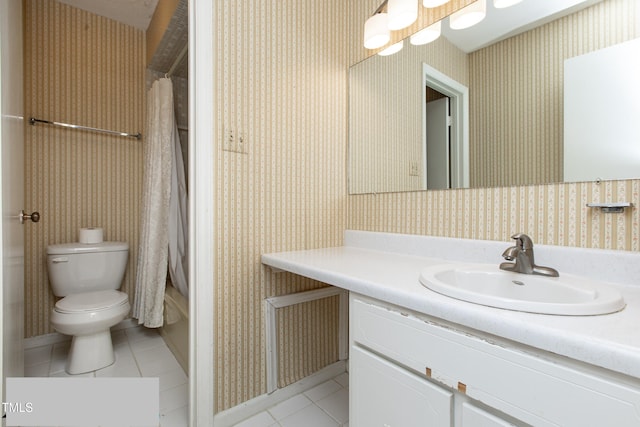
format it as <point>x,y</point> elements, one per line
<point>91,301</point>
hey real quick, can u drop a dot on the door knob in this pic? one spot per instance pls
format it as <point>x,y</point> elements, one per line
<point>35,217</point>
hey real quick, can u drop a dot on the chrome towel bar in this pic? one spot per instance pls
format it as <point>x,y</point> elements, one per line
<point>33,121</point>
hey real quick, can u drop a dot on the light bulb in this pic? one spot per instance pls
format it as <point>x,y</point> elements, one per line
<point>426,35</point>
<point>402,13</point>
<point>501,4</point>
<point>376,32</point>
<point>433,3</point>
<point>397,47</point>
<point>468,15</point>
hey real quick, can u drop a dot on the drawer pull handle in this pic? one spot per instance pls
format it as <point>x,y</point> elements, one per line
<point>59,260</point>
<point>462,388</point>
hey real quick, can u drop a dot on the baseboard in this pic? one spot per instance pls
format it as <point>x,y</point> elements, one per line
<point>233,416</point>
<point>55,337</point>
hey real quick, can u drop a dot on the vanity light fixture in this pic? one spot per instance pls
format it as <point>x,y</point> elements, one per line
<point>468,15</point>
<point>402,13</point>
<point>501,4</point>
<point>394,48</point>
<point>426,35</point>
<point>433,3</point>
<point>376,32</point>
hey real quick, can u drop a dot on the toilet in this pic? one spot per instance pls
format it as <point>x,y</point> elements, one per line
<point>88,277</point>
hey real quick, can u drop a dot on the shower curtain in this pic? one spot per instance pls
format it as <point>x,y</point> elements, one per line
<point>163,218</point>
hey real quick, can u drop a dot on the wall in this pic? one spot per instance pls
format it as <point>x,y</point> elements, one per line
<point>281,75</point>
<point>87,70</point>
<point>551,214</point>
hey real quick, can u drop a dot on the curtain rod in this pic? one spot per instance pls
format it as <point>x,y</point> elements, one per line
<point>33,121</point>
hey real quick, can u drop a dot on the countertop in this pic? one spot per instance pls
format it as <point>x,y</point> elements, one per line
<point>610,341</point>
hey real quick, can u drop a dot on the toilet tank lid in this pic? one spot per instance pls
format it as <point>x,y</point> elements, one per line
<point>80,248</point>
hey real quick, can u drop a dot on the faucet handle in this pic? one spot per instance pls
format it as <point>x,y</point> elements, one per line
<point>523,241</point>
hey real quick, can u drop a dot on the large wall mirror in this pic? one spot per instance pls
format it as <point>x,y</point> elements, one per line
<point>514,125</point>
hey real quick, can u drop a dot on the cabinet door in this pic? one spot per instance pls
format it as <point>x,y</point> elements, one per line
<point>472,416</point>
<point>382,394</point>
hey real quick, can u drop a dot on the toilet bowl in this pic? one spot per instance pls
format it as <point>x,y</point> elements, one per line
<point>88,317</point>
<point>87,277</point>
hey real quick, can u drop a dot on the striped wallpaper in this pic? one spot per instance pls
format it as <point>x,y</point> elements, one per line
<point>281,82</point>
<point>87,70</point>
<point>553,214</point>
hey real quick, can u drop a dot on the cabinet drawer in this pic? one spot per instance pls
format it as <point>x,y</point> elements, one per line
<point>385,395</point>
<point>533,389</point>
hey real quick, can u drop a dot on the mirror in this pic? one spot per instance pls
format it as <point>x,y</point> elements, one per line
<point>515,101</point>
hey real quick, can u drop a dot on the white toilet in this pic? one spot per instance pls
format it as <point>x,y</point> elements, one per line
<point>88,276</point>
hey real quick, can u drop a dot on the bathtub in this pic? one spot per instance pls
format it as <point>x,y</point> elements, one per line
<point>175,328</point>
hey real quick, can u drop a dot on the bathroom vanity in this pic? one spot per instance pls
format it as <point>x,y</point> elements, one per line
<point>409,369</point>
<point>421,358</point>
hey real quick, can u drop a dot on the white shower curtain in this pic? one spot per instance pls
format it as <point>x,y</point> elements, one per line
<point>163,207</point>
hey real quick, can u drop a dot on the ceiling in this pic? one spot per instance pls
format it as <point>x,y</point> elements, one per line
<point>500,24</point>
<point>136,13</point>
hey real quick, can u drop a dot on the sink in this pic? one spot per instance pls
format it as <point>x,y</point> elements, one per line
<point>488,285</point>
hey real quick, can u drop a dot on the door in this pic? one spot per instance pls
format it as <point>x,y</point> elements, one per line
<point>384,394</point>
<point>438,148</point>
<point>11,165</point>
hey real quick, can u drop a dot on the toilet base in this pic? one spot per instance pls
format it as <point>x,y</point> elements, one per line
<point>90,352</point>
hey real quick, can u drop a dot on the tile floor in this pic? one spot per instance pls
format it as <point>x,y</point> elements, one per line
<point>326,405</point>
<point>141,352</point>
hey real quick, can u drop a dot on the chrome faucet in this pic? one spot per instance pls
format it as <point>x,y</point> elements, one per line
<point>524,263</point>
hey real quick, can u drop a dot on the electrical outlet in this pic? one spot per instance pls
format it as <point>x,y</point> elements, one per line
<point>413,169</point>
<point>233,141</point>
<point>227,139</point>
<point>242,144</point>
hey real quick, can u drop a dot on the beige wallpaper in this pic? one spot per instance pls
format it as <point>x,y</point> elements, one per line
<point>87,70</point>
<point>281,83</point>
<point>281,76</point>
<point>516,94</point>
<point>553,214</point>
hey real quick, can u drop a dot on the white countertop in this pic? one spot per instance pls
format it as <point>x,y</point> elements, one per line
<point>610,341</point>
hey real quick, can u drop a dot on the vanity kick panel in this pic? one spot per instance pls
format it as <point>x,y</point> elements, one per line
<point>536,390</point>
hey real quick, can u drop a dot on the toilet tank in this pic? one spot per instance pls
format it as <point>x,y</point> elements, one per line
<point>78,267</point>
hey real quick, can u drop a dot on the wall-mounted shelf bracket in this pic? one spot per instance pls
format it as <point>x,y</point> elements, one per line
<point>617,207</point>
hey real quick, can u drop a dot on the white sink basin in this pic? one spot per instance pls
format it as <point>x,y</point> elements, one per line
<point>488,285</point>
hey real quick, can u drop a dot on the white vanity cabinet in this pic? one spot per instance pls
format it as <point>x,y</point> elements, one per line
<point>409,369</point>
